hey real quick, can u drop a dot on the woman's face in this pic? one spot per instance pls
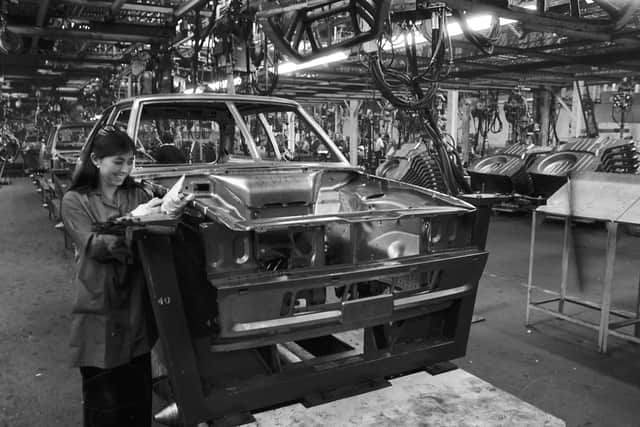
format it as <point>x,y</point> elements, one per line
<point>114,169</point>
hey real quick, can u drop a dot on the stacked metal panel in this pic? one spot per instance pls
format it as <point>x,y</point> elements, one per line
<point>503,173</point>
<point>550,172</point>
<point>414,165</point>
<point>620,156</point>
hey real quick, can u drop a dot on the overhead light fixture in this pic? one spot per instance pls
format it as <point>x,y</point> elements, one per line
<point>291,67</point>
<point>478,23</point>
<point>67,89</point>
<point>222,84</point>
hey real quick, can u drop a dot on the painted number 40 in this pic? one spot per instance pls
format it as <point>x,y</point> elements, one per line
<point>164,300</point>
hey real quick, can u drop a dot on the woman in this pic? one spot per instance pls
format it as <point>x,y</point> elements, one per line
<point>112,328</point>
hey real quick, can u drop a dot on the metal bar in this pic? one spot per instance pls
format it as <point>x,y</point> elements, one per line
<point>317,375</point>
<point>530,275</point>
<point>611,58</point>
<point>636,330</point>
<point>187,7</point>
<point>566,317</point>
<point>287,354</point>
<point>624,323</point>
<point>140,7</point>
<point>574,8</point>
<point>116,6</point>
<point>625,336</point>
<point>557,23</point>
<point>612,234</point>
<point>627,15</point>
<point>545,301</point>
<point>169,312</point>
<point>565,263</point>
<point>293,6</point>
<point>240,123</point>
<point>298,350</point>
<point>153,34</point>
<point>42,14</point>
<point>595,306</point>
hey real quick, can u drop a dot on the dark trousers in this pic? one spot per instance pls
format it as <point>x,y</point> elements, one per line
<point>118,397</point>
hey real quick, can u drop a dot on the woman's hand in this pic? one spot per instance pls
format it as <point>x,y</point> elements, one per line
<point>151,207</point>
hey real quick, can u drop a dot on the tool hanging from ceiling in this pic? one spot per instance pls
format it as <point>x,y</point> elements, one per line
<point>487,117</point>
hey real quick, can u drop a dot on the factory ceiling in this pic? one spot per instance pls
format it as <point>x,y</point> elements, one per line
<point>63,46</point>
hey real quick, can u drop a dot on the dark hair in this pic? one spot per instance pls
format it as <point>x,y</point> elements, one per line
<point>108,141</point>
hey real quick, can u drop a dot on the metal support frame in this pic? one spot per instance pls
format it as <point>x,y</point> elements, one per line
<point>604,326</point>
<point>211,384</point>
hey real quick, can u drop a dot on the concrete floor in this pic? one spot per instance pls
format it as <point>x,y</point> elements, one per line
<point>553,365</point>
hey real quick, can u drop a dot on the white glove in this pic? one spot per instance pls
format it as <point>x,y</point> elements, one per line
<point>175,199</point>
<point>151,207</point>
<point>173,203</point>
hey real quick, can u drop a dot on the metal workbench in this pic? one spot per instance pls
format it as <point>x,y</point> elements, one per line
<point>615,200</point>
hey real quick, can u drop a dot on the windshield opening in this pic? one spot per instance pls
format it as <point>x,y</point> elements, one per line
<point>204,131</point>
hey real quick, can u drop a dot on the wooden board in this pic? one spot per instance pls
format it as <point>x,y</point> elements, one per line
<point>454,398</point>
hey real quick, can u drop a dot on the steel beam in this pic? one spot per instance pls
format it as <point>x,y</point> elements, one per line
<point>138,7</point>
<point>40,21</point>
<point>571,26</point>
<point>609,59</point>
<point>187,6</point>
<point>118,33</point>
<point>116,6</point>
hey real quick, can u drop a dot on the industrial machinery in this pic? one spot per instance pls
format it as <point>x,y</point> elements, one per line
<point>288,280</point>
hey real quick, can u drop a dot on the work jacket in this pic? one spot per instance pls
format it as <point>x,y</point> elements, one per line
<point>111,321</point>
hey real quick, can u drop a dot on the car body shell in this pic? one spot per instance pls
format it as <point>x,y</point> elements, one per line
<point>274,251</point>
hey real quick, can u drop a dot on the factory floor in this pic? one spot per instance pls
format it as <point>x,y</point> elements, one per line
<point>553,365</point>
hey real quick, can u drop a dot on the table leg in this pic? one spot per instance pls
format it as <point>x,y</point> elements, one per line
<point>636,328</point>
<point>566,251</point>
<point>531,254</point>
<point>612,234</point>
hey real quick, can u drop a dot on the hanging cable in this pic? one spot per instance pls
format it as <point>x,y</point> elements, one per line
<point>484,43</point>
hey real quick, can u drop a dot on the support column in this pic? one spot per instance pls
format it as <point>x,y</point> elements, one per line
<point>464,131</point>
<point>291,132</point>
<point>577,121</point>
<point>452,114</point>
<point>544,110</point>
<point>352,130</point>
